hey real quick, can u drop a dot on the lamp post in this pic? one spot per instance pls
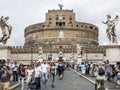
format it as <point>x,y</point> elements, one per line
<point>31,53</point>
<point>49,43</point>
<point>86,61</point>
<point>104,53</point>
<point>17,54</point>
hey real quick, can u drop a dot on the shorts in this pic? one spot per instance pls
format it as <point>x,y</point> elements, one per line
<point>117,77</point>
<point>4,86</point>
<point>83,71</point>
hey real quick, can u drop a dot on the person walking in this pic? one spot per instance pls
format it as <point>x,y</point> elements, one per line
<point>37,76</point>
<point>60,70</point>
<point>108,71</point>
<point>22,75</point>
<point>29,73</point>
<point>15,72</point>
<point>83,68</point>
<point>44,70</point>
<point>52,74</point>
<point>5,74</point>
<point>117,77</point>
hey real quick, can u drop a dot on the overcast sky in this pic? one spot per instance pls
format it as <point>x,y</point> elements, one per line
<point>23,13</point>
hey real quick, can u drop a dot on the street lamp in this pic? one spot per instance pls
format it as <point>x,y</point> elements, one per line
<point>87,53</point>
<point>49,43</point>
<point>17,54</point>
<point>104,53</point>
<point>31,53</point>
<point>86,61</point>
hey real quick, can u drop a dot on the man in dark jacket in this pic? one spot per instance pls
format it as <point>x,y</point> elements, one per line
<point>5,74</point>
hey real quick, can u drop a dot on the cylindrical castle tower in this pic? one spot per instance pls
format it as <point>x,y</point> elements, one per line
<point>61,28</point>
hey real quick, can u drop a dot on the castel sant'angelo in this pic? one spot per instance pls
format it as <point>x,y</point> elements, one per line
<point>60,32</point>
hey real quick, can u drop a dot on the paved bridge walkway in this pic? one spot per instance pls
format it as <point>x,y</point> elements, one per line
<point>71,81</point>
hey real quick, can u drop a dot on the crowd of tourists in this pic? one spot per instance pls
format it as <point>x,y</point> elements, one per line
<point>36,74</point>
<point>111,72</point>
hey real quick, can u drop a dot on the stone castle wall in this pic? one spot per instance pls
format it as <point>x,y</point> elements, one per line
<point>26,54</point>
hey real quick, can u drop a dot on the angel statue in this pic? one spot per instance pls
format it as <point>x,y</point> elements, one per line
<point>111,32</point>
<point>79,50</point>
<point>6,30</point>
<point>60,6</point>
<point>40,53</point>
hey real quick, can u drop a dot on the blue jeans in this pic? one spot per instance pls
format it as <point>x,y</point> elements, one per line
<point>52,78</point>
<point>38,83</point>
<point>21,82</point>
<point>44,79</point>
<point>108,76</point>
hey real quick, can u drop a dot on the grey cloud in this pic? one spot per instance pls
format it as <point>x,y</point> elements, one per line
<point>26,12</point>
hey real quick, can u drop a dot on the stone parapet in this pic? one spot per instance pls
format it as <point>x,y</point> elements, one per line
<point>57,49</point>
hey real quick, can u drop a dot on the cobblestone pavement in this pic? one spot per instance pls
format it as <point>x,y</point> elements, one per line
<point>71,81</point>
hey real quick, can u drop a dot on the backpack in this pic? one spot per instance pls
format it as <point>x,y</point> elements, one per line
<point>101,71</point>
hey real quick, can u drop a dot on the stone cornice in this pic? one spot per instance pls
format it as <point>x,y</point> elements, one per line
<point>47,49</point>
<point>112,46</point>
<point>6,47</point>
<point>71,29</point>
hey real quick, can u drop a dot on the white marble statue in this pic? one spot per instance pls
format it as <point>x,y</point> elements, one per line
<point>40,54</point>
<point>6,30</point>
<point>111,32</point>
<point>79,54</point>
<point>60,54</point>
<point>72,57</point>
<point>79,50</point>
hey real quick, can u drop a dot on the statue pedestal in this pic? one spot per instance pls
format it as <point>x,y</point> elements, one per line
<point>40,59</point>
<point>112,53</point>
<point>5,52</point>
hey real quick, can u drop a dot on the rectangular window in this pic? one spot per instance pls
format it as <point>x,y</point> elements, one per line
<point>50,18</point>
<point>50,22</point>
<point>60,23</point>
<point>56,23</point>
<point>63,23</point>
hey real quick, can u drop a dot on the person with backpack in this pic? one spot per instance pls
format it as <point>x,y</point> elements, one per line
<point>108,71</point>
<point>100,78</point>
<point>117,77</point>
<point>83,68</point>
<point>5,75</point>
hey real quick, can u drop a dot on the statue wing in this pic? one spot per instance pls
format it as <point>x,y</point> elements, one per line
<point>10,29</point>
<point>116,19</point>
